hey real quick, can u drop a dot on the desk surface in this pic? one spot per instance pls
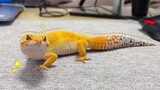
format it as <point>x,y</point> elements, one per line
<point>33,13</point>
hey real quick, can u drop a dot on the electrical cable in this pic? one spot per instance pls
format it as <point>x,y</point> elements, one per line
<point>54,13</point>
<point>97,11</point>
<point>114,14</point>
<point>95,2</point>
<point>48,13</point>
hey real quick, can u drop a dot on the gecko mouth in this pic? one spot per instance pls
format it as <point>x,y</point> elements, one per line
<point>27,45</point>
<point>35,46</point>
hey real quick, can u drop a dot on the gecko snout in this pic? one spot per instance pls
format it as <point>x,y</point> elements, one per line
<point>38,42</point>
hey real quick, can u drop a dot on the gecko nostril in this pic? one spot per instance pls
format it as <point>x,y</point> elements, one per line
<point>38,42</point>
<point>26,44</point>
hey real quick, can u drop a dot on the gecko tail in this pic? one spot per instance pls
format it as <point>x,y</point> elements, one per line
<point>126,42</point>
<point>113,42</point>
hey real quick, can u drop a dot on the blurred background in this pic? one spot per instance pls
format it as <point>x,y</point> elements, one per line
<point>75,3</point>
<point>110,9</point>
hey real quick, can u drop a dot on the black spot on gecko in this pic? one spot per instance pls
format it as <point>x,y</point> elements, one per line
<point>143,43</point>
<point>131,41</point>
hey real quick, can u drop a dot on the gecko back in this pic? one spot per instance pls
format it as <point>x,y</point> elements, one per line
<point>113,42</point>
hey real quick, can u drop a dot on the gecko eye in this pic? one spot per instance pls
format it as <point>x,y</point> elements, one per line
<point>28,37</point>
<point>44,39</point>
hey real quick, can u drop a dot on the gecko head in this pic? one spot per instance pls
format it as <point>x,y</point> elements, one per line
<point>34,46</point>
<point>32,41</point>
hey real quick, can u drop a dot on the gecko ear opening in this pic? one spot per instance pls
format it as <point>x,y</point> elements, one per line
<point>28,37</point>
<point>45,39</point>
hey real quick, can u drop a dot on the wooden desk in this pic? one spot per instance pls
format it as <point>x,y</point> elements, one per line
<point>33,13</point>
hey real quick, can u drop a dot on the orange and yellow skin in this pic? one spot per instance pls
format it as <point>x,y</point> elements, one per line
<point>53,44</point>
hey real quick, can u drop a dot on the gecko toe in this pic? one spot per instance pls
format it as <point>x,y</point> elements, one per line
<point>41,68</point>
<point>82,59</point>
<point>88,59</point>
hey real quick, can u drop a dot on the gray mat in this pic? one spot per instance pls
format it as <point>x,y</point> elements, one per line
<point>135,68</point>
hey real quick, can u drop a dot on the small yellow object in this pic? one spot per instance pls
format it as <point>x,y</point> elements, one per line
<point>41,24</point>
<point>17,64</point>
<point>14,70</point>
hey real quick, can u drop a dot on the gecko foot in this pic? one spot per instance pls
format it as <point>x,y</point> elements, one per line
<point>27,58</point>
<point>82,59</point>
<point>41,68</point>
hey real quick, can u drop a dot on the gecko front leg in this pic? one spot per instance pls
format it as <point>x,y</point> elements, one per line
<point>81,46</point>
<point>51,58</point>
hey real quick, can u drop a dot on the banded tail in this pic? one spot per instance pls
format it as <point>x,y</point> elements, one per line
<point>113,42</point>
